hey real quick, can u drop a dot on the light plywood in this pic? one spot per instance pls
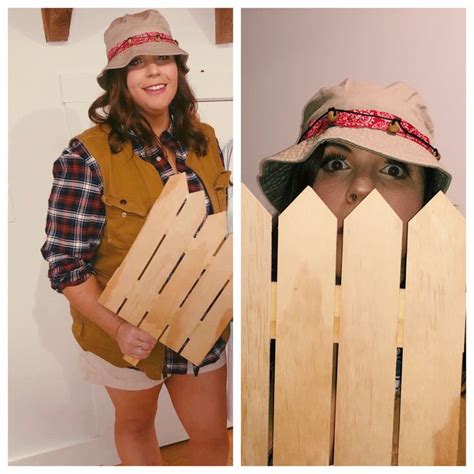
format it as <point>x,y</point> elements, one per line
<point>159,219</point>
<point>368,332</point>
<point>157,271</point>
<point>166,304</point>
<point>217,273</point>
<point>169,284</point>
<point>304,349</point>
<point>207,331</point>
<point>433,336</point>
<point>200,251</point>
<point>337,314</point>
<point>255,329</point>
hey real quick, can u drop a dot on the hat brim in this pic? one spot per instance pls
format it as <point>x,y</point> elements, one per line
<point>147,49</point>
<point>275,171</point>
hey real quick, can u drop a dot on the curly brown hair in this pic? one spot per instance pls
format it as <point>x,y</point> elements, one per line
<point>122,114</point>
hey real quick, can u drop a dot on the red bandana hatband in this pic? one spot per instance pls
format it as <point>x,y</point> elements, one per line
<point>366,118</point>
<point>142,38</point>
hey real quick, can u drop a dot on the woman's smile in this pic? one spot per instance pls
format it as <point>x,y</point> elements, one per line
<point>153,82</point>
<point>155,89</point>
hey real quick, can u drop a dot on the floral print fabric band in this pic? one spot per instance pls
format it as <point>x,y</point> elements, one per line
<point>139,39</point>
<point>367,118</point>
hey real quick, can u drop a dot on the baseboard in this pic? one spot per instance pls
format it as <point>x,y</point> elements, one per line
<point>93,452</point>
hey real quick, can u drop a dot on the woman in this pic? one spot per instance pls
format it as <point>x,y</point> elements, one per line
<point>105,183</point>
<point>356,137</point>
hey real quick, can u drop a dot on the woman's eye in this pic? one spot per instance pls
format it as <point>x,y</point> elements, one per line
<point>163,58</point>
<point>395,171</point>
<point>335,164</point>
<point>135,62</point>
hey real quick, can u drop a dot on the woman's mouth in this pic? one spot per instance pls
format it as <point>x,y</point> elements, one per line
<point>155,89</point>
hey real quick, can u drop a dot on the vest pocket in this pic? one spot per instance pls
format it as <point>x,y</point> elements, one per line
<point>124,218</point>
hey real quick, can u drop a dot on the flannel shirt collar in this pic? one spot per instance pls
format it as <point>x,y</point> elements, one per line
<point>149,154</point>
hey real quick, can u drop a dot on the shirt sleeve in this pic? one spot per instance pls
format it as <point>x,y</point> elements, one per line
<point>75,219</point>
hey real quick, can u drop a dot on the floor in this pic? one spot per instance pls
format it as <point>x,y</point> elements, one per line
<point>175,454</point>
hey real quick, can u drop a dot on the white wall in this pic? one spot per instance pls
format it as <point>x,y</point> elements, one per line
<point>54,417</point>
<point>288,55</point>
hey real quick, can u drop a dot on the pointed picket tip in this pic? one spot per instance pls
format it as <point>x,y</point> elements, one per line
<point>308,206</point>
<point>170,199</point>
<point>251,203</point>
<point>373,204</point>
<point>376,210</point>
<point>216,222</point>
<point>440,206</point>
<point>176,184</point>
<point>197,199</point>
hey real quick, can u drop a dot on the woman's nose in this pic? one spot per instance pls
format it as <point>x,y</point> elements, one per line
<point>152,69</point>
<point>359,188</point>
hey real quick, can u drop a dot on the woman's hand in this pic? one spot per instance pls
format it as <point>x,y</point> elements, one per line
<point>133,341</point>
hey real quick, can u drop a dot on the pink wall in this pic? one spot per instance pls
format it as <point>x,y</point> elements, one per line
<point>288,54</point>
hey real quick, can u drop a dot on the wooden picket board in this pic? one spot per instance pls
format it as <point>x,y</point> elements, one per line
<point>218,272</point>
<point>368,332</point>
<point>434,336</point>
<point>178,236</point>
<point>201,249</point>
<point>165,310</point>
<point>206,332</point>
<point>160,218</point>
<point>337,314</point>
<point>304,351</point>
<point>176,258</point>
<point>371,316</point>
<point>255,329</point>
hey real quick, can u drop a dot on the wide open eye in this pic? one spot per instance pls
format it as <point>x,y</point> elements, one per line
<point>333,163</point>
<point>395,170</point>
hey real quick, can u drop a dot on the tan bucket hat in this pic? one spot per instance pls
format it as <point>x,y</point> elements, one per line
<point>146,33</point>
<point>390,120</point>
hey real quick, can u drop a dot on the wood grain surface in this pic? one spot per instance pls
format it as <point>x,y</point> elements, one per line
<point>255,330</point>
<point>434,336</point>
<point>368,333</point>
<point>174,282</point>
<point>304,348</point>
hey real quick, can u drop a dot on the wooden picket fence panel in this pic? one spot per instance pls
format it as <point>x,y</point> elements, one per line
<point>341,410</point>
<point>255,329</point>
<point>176,281</point>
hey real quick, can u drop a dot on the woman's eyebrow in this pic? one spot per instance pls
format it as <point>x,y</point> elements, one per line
<point>340,145</point>
<point>393,161</point>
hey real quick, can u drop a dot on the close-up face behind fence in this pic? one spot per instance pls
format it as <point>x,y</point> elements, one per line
<point>356,137</point>
<point>347,174</point>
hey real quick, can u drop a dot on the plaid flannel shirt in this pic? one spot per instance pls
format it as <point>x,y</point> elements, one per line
<point>76,218</point>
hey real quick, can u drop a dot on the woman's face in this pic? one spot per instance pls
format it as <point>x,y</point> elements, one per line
<point>348,174</point>
<point>153,83</point>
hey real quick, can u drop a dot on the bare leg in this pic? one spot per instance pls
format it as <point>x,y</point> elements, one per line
<point>135,435</point>
<point>200,403</point>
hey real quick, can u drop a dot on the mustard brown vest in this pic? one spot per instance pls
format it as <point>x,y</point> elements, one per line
<point>131,186</point>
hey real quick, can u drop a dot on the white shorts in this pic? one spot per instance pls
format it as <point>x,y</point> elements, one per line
<point>98,371</point>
